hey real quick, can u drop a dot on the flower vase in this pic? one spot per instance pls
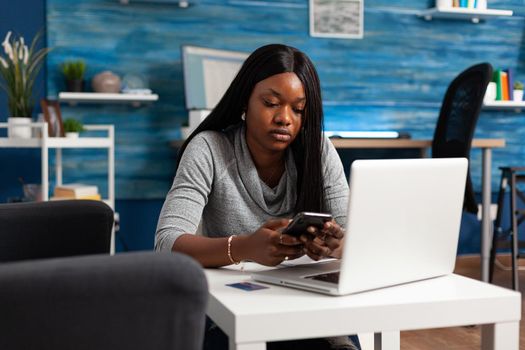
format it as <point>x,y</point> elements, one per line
<point>19,128</point>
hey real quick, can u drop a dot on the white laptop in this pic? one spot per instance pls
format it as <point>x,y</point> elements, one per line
<point>403,225</point>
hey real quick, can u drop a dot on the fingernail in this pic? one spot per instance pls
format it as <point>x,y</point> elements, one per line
<point>310,229</point>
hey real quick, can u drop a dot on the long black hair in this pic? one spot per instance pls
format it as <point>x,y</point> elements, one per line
<point>263,63</point>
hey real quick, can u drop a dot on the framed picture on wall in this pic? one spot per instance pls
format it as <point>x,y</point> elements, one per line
<point>52,116</point>
<point>337,18</point>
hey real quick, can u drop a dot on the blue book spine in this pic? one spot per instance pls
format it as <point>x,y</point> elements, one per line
<point>463,3</point>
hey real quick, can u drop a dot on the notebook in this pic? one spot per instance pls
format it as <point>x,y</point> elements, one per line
<point>403,225</point>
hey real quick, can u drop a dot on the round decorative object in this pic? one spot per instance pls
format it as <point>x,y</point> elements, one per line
<point>106,82</point>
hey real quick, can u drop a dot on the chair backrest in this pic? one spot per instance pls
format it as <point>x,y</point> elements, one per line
<point>141,300</point>
<point>37,230</point>
<point>458,117</point>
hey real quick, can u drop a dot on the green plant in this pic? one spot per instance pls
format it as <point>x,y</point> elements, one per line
<point>19,67</point>
<point>73,70</point>
<point>73,125</point>
<point>518,85</point>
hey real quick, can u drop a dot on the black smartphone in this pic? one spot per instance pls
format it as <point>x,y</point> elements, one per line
<point>304,219</point>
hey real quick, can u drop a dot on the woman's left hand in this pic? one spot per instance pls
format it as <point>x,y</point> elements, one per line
<point>324,243</point>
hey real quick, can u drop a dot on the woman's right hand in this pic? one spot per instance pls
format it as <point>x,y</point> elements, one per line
<point>268,246</point>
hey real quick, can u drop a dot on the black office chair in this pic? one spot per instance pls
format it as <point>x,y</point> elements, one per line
<point>510,178</point>
<point>128,301</point>
<point>457,120</point>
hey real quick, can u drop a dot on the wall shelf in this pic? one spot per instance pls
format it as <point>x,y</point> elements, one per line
<point>504,105</point>
<point>475,15</point>
<point>180,3</point>
<point>98,97</point>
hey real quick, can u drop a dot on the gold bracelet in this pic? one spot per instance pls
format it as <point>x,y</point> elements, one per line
<point>230,239</point>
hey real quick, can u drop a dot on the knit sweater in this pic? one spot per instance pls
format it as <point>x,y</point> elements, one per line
<point>217,185</point>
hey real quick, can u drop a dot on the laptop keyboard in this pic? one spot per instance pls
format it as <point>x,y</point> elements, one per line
<point>332,277</point>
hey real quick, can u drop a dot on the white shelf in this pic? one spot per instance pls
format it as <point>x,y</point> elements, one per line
<point>99,97</point>
<point>504,105</point>
<point>463,13</point>
<point>180,3</point>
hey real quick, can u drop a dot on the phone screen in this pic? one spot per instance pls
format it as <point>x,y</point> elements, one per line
<point>302,220</point>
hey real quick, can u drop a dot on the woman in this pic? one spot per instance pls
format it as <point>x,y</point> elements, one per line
<point>255,161</point>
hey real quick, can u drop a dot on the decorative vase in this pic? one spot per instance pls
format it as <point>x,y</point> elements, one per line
<point>19,128</point>
<point>106,82</point>
<point>75,85</point>
<point>518,95</point>
<point>72,135</point>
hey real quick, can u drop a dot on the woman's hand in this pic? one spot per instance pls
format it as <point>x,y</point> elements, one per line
<point>268,246</point>
<point>323,243</point>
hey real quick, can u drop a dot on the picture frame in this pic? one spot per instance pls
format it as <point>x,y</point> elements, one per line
<point>53,117</point>
<point>342,19</point>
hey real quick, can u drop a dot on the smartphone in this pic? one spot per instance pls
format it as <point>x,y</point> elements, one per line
<point>304,219</point>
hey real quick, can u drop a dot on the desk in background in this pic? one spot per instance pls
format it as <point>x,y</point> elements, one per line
<point>486,146</point>
<point>250,319</point>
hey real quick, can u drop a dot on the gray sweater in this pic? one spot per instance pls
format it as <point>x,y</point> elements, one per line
<point>217,182</point>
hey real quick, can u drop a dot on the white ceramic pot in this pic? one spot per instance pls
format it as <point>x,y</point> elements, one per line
<point>19,128</point>
<point>72,135</point>
<point>518,95</point>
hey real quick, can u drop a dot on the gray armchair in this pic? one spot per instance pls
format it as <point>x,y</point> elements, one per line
<point>141,300</point>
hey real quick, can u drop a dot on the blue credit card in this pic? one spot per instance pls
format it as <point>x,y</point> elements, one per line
<point>248,286</point>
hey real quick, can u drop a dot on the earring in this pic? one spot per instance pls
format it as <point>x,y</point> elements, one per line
<point>243,116</point>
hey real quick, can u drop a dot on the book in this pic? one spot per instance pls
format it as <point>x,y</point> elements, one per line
<point>504,86</point>
<point>496,77</point>
<point>510,83</point>
<point>463,3</point>
<point>95,197</point>
<point>75,190</point>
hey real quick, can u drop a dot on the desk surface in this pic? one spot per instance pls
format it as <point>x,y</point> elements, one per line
<point>279,313</point>
<point>392,143</point>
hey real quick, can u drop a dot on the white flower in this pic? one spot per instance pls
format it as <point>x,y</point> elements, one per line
<point>7,46</point>
<point>20,52</point>
<point>4,63</point>
<point>26,54</point>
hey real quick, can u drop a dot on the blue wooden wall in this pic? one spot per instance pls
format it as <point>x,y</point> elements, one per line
<point>394,78</point>
<point>20,163</point>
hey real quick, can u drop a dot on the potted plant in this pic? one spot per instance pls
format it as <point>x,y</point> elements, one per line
<point>74,75</point>
<point>518,91</point>
<point>19,67</point>
<point>72,128</point>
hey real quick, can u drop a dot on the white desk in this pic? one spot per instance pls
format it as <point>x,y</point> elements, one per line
<point>250,319</point>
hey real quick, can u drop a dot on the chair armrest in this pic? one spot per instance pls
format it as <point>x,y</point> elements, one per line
<point>128,301</point>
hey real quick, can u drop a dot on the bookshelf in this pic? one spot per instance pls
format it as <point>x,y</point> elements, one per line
<point>45,143</point>
<point>472,14</point>
<point>98,97</point>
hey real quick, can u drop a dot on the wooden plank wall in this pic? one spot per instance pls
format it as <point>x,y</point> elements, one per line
<point>394,78</point>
